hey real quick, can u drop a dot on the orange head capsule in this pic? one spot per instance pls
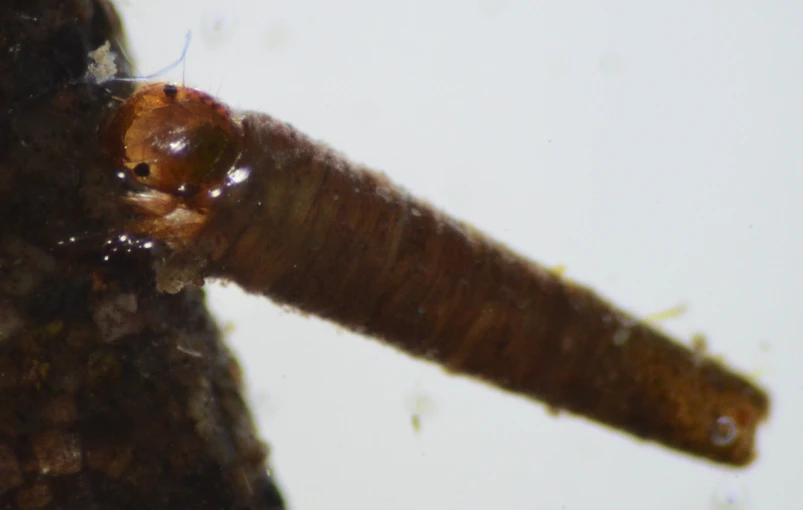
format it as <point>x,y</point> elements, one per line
<point>180,145</point>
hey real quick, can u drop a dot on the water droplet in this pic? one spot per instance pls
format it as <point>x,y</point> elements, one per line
<point>725,431</point>
<point>729,495</point>
<point>238,175</point>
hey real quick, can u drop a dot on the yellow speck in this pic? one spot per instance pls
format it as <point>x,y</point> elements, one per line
<point>420,406</point>
<point>559,271</point>
<point>699,344</point>
<point>416,420</point>
<point>669,313</point>
<point>50,330</point>
<point>757,373</point>
<point>719,358</point>
<point>228,328</point>
<point>37,372</point>
<point>43,369</point>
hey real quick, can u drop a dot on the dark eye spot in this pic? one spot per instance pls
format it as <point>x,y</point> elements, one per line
<point>142,170</point>
<point>170,90</point>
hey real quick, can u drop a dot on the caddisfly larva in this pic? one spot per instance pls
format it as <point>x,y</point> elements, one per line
<point>243,197</point>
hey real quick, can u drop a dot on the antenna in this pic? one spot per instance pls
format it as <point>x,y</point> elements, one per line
<point>167,69</point>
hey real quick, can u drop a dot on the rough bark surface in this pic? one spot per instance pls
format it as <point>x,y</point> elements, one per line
<point>112,395</point>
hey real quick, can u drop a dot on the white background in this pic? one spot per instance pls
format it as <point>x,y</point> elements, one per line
<point>654,148</point>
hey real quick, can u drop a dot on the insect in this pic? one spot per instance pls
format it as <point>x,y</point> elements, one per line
<point>247,198</point>
<point>196,189</point>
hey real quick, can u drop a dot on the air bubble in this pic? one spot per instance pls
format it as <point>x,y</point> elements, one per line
<point>729,495</point>
<point>724,432</point>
